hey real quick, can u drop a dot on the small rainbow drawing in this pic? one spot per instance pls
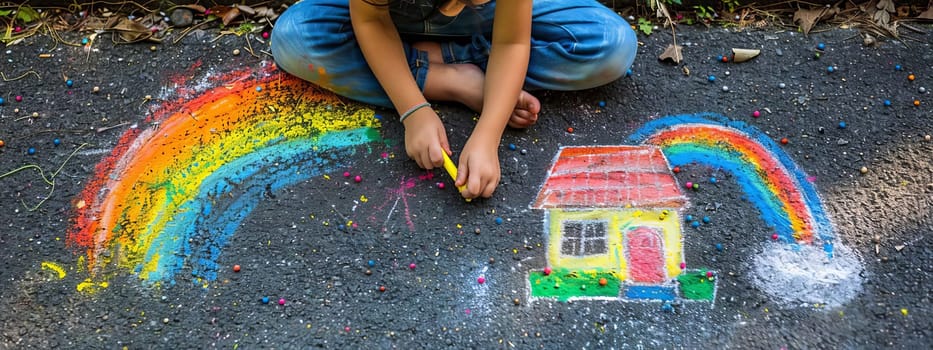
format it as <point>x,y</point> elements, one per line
<point>776,186</point>
<point>198,168</point>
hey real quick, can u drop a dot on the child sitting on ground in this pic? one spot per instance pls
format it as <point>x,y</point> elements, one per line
<point>484,54</point>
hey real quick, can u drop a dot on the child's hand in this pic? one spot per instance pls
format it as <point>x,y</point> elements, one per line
<point>479,167</point>
<point>425,138</point>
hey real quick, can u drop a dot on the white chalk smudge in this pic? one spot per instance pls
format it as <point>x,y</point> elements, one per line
<point>806,275</point>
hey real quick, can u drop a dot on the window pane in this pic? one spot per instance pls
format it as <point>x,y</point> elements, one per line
<point>573,229</point>
<point>595,246</point>
<point>595,230</point>
<point>570,247</point>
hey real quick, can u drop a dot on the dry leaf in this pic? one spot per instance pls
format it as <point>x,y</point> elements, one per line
<point>246,9</point>
<point>928,14</point>
<point>226,13</point>
<point>886,5</point>
<point>131,31</point>
<point>808,18</point>
<point>673,53</point>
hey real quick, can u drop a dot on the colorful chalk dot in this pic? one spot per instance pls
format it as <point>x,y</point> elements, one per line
<point>695,224</point>
<point>719,246</point>
<point>917,103</point>
<point>382,288</point>
<point>570,129</point>
<point>676,169</point>
<point>236,268</point>
<point>830,69</point>
<point>2,143</point>
<point>265,35</point>
<point>683,265</point>
<point>18,98</point>
<point>481,280</point>
<point>346,174</point>
<point>547,271</point>
<point>712,180</point>
<point>842,125</point>
<point>371,263</point>
<point>784,141</point>
<point>498,221</point>
<point>281,301</point>
<point>711,78</point>
<point>887,102</point>
<point>512,146</point>
<point>259,88</point>
<point>688,184</point>
<point>688,217</point>
<point>709,273</point>
<point>603,282</point>
<point>69,83</point>
<point>628,72</point>
<point>31,151</point>
<point>706,219</point>
<point>441,185</point>
<point>821,46</point>
<point>696,186</point>
<point>897,67</point>
<point>667,307</point>
<point>719,58</point>
<point>56,142</point>
<point>265,300</point>
<point>724,59</point>
<point>774,236</point>
<point>602,103</point>
<point>412,266</point>
<point>84,41</point>
<point>756,114</point>
<point>1,101</point>
<point>911,77</point>
<point>357,178</point>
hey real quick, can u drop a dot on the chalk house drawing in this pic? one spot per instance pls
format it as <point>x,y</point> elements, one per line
<point>613,219</point>
<point>614,213</point>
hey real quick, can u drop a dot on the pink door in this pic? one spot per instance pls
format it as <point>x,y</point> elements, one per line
<point>645,255</point>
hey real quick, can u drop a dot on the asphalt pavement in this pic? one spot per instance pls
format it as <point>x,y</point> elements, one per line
<point>183,196</point>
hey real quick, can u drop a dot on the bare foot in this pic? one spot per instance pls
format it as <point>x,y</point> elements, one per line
<point>464,83</point>
<point>526,111</point>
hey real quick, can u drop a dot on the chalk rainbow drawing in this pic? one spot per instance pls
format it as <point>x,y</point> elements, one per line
<point>814,268</point>
<point>170,194</point>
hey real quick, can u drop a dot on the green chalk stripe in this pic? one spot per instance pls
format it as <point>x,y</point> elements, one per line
<point>694,285</point>
<point>572,284</point>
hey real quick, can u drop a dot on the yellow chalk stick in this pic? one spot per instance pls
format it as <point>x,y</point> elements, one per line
<point>452,170</point>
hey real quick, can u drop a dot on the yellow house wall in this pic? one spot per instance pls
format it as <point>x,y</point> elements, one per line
<point>618,222</point>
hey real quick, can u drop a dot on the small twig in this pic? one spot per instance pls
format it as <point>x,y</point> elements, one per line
<point>48,180</point>
<point>21,76</point>
<point>190,29</point>
<point>249,47</point>
<point>105,128</point>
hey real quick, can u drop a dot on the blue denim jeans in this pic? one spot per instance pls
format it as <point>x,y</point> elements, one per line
<point>575,44</point>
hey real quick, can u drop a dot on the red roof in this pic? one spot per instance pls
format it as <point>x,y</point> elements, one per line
<point>610,177</point>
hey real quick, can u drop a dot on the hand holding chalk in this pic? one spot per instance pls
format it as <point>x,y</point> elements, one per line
<point>452,171</point>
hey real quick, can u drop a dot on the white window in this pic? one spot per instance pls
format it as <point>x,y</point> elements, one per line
<point>584,237</point>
